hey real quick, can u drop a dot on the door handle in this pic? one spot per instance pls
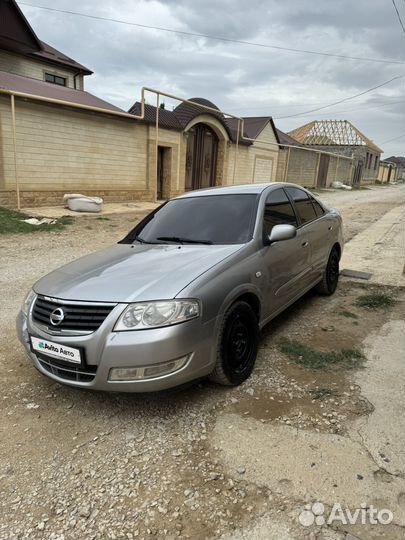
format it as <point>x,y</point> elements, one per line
<point>304,244</point>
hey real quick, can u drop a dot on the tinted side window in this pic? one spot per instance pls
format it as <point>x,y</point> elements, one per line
<point>318,208</point>
<point>303,204</point>
<point>278,210</point>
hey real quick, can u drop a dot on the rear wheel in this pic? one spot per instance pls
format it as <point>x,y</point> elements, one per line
<point>237,345</point>
<point>330,276</point>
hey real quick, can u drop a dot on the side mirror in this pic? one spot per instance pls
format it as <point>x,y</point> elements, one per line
<point>282,232</point>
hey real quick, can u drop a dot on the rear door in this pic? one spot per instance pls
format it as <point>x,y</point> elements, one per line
<point>318,226</point>
<point>286,264</point>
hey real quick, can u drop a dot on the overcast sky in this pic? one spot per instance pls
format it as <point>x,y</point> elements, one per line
<point>241,79</point>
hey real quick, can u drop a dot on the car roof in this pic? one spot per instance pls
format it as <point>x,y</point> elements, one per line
<point>238,189</point>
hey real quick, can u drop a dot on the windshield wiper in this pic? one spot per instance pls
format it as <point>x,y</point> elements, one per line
<point>142,241</point>
<point>182,240</point>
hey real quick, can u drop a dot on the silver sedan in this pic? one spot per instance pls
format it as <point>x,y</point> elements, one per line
<point>184,295</point>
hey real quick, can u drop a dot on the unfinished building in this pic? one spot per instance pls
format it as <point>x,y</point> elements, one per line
<point>342,137</point>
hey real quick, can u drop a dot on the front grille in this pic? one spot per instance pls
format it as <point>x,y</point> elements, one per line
<point>76,317</point>
<point>70,373</point>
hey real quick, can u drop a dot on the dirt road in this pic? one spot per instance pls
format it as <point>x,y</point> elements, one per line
<point>208,462</point>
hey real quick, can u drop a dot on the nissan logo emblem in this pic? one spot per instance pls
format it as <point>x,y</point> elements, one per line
<point>57,316</point>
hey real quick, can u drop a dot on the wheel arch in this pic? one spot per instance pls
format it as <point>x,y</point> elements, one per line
<point>253,300</point>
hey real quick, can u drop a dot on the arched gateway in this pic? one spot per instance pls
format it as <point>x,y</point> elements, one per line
<point>196,147</point>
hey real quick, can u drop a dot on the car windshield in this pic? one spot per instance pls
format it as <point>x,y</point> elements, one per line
<point>208,219</point>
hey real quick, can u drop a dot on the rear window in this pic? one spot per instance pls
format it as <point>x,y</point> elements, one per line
<point>318,208</point>
<point>303,204</point>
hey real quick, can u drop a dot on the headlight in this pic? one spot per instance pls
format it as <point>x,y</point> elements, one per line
<point>28,301</point>
<point>143,315</point>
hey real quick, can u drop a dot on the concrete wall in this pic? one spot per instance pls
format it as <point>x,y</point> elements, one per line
<point>387,173</point>
<point>300,167</point>
<point>367,156</point>
<point>27,67</point>
<point>340,170</point>
<point>61,150</point>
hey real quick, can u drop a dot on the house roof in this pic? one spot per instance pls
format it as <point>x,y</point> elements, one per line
<point>52,55</point>
<point>253,125</point>
<point>15,31</point>
<point>332,133</point>
<point>17,35</point>
<point>286,139</point>
<point>182,115</point>
<point>34,87</point>
<point>398,160</point>
<point>167,119</point>
<point>185,112</point>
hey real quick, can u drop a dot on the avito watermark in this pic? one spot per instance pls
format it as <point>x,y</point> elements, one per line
<point>316,514</point>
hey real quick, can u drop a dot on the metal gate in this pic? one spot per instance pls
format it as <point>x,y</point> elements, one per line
<point>357,173</point>
<point>323,170</point>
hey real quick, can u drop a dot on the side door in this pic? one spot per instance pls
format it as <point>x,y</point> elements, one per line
<point>317,226</point>
<point>287,263</point>
<point>323,236</point>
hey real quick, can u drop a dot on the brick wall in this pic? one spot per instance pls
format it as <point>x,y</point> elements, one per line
<point>71,150</point>
<point>62,150</point>
<point>27,67</point>
<point>249,156</point>
<point>52,197</point>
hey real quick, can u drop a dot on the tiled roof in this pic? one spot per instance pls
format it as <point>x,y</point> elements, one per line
<point>398,160</point>
<point>16,34</point>
<point>167,119</point>
<point>17,83</point>
<point>50,54</point>
<point>179,117</point>
<point>286,139</point>
<point>253,125</point>
<point>185,112</point>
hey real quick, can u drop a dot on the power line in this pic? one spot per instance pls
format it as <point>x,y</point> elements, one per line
<point>360,107</point>
<point>398,15</point>
<point>394,139</point>
<point>342,100</point>
<point>372,107</point>
<point>217,38</point>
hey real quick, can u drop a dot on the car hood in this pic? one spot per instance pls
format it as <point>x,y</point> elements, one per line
<point>129,273</point>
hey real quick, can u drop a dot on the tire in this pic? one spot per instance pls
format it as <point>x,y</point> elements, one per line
<point>237,345</point>
<point>330,276</point>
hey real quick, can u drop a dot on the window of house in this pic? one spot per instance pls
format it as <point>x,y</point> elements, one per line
<point>55,79</point>
<point>367,156</point>
<point>375,162</point>
<point>303,204</point>
<point>278,211</point>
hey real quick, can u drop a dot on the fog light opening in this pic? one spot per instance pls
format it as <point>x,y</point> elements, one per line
<point>128,374</point>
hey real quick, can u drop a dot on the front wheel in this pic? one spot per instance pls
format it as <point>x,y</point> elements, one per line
<point>330,276</point>
<point>237,345</point>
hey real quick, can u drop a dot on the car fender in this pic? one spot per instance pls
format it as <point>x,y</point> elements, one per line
<point>231,298</point>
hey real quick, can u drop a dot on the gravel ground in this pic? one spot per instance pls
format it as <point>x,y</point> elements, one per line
<point>77,464</point>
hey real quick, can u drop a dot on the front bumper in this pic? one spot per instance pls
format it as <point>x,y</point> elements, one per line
<point>105,349</point>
